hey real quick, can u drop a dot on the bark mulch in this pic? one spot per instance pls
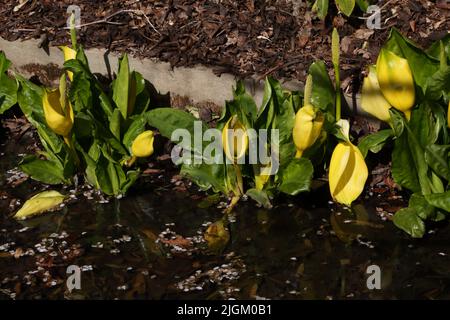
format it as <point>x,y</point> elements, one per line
<point>244,38</point>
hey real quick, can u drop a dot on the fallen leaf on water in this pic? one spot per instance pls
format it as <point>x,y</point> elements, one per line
<point>40,203</point>
<point>178,241</point>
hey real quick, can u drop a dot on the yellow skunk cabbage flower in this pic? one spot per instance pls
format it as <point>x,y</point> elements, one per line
<point>348,173</point>
<point>40,203</point>
<point>372,99</point>
<point>69,54</point>
<point>234,139</point>
<point>307,128</point>
<point>142,146</point>
<point>58,112</point>
<point>396,81</point>
<point>263,176</point>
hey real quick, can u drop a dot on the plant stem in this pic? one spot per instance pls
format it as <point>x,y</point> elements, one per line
<point>73,33</point>
<point>335,60</point>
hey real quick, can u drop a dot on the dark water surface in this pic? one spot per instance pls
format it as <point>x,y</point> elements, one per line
<point>150,245</point>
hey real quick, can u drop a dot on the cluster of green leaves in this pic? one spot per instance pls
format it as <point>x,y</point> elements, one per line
<point>277,111</point>
<point>8,86</point>
<point>420,158</point>
<point>106,121</point>
<point>344,6</point>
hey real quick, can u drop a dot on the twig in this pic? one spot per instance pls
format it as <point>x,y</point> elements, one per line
<point>106,20</point>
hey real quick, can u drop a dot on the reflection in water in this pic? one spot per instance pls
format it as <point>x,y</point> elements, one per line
<point>151,245</point>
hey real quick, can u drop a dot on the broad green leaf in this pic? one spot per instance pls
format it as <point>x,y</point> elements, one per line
<point>267,110</point>
<point>131,177</point>
<point>142,101</point>
<point>8,87</point>
<point>260,197</point>
<point>45,171</point>
<point>323,91</point>
<point>439,200</point>
<point>374,142</point>
<point>207,176</point>
<point>346,6</point>
<point>409,221</point>
<point>321,7</point>
<point>397,122</point>
<point>29,98</point>
<point>40,203</point>
<point>423,208</point>
<point>136,127</point>
<point>434,50</point>
<point>103,176</point>
<point>438,85</point>
<point>436,157</point>
<point>403,169</point>
<point>167,120</point>
<point>297,176</point>
<point>121,86</point>
<point>114,123</point>
<point>245,101</point>
<point>363,5</point>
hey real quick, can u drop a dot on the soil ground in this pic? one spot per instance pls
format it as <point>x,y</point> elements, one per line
<point>245,38</point>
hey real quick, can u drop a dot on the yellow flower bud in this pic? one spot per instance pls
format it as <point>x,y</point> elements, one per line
<point>396,81</point>
<point>58,117</point>
<point>69,54</point>
<point>263,176</point>
<point>348,173</point>
<point>372,100</point>
<point>143,145</point>
<point>234,139</point>
<point>307,128</point>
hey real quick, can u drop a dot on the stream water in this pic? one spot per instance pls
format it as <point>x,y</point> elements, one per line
<point>150,245</point>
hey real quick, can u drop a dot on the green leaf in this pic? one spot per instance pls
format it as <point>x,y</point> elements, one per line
<point>323,92</point>
<point>374,142</point>
<point>297,176</point>
<point>267,110</point>
<point>44,171</point>
<point>346,6</point>
<point>136,127</point>
<point>397,122</point>
<point>423,208</point>
<point>321,7</point>
<point>142,101</point>
<point>438,85</point>
<point>29,98</point>
<point>436,157</point>
<point>435,49</point>
<point>363,5</point>
<point>8,87</point>
<point>114,123</point>
<point>403,170</point>
<point>245,101</point>
<point>131,178</point>
<point>167,120</point>
<point>40,203</point>
<point>121,86</point>
<point>260,197</point>
<point>409,221</point>
<point>207,176</point>
<point>439,200</point>
<point>103,177</point>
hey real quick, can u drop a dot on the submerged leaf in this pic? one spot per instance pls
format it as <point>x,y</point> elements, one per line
<point>40,203</point>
